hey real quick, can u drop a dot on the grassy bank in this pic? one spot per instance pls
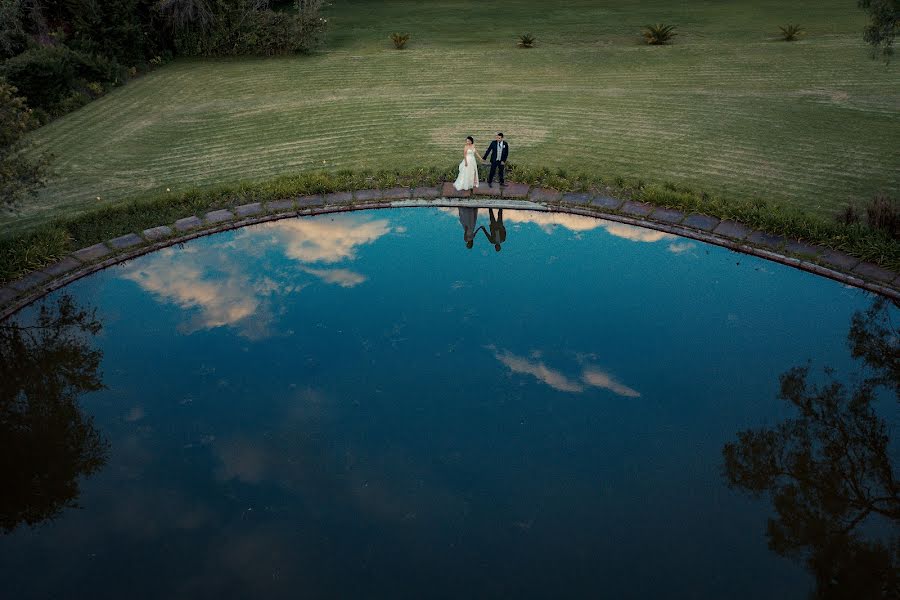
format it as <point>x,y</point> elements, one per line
<point>34,249</point>
<point>727,108</point>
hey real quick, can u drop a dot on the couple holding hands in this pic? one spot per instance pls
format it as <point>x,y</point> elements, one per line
<point>468,170</point>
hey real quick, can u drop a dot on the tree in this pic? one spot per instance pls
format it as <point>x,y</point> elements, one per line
<point>186,14</point>
<point>829,470</point>
<point>884,18</point>
<point>13,34</point>
<point>46,443</point>
<point>20,175</point>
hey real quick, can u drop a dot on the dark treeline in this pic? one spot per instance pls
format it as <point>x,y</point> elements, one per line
<point>60,54</point>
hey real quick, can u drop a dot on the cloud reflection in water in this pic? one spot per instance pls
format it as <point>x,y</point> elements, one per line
<point>220,290</point>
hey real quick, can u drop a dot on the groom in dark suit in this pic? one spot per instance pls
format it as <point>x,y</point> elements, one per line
<point>499,151</point>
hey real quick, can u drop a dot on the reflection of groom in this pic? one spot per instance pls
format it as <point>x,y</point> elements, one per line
<point>498,230</point>
<point>499,151</point>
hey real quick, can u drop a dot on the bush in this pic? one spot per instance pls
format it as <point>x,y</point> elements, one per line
<point>20,176</point>
<point>55,79</point>
<point>883,214</point>
<point>237,27</point>
<point>657,35</point>
<point>848,216</point>
<point>43,75</point>
<point>526,41</point>
<point>399,40</point>
<point>789,33</point>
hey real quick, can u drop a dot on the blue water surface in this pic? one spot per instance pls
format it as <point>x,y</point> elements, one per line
<point>358,405</point>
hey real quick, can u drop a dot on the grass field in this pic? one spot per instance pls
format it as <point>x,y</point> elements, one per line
<point>727,108</point>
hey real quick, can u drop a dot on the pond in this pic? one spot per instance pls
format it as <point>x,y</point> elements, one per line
<point>445,403</point>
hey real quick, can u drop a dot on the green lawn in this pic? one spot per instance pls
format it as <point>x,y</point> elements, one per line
<point>727,108</point>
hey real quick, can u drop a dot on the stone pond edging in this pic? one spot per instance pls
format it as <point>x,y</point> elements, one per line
<point>833,264</point>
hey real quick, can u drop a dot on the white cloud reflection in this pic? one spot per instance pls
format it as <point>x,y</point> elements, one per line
<point>342,277</point>
<point>591,376</point>
<point>550,221</point>
<point>595,377</point>
<point>327,240</point>
<point>537,369</point>
<point>219,293</point>
<point>220,287</point>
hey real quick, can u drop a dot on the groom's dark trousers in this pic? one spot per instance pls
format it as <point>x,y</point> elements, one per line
<point>498,158</point>
<point>495,167</point>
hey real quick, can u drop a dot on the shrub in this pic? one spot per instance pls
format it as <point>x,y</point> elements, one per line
<point>20,176</point>
<point>657,35</point>
<point>43,75</point>
<point>848,216</point>
<point>883,213</point>
<point>526,41</point>
<point>233,28</point>
<point>399,40</point>
<point>789,33</point>
<point>55,79</point>
<point>95,88</point>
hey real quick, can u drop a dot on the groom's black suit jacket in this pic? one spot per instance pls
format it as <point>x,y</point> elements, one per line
<point>492,150</point>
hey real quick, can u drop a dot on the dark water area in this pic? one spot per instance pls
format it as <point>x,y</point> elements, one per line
<point>360,405</point>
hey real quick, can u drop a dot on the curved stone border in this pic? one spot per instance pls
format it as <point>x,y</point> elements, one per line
<point>729,234</point>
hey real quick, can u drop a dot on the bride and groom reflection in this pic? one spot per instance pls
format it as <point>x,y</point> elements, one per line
<point>468,217</point>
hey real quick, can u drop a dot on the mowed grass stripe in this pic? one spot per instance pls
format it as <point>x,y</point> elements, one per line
<point>726,108</point>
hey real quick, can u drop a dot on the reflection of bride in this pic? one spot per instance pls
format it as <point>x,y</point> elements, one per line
<point>468,170</point>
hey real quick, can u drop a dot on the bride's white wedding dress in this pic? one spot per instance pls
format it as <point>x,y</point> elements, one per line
<point>468,175</point>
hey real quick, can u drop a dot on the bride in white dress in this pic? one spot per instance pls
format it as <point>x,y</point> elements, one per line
<point>468,169</point>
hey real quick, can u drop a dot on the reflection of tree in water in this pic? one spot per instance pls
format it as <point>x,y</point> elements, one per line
<point>829,470</point>
<point>46,442</point>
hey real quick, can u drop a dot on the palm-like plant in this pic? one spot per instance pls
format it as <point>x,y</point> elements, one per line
<point>790,32</point>
<point>399,40</point>
<point>657,35</point>
<point>526,41</point>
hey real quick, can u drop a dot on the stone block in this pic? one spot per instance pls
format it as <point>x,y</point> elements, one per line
<point>797,247</point>
<point>667,215</point>
<point>701,222</point>
<point>767,240</point>
<point>188,223</point>
<point>63,266</point>
<point>396,193</point>
<point>279,206</point>
<point>577,198</point>
<point>638,209</point>
<point>157,233</point>
<point>484,190</point>
<point>310,201</point>
<point>841,260</point>
<point>248,210</point>
<point>368,195</point>
<point>545,195</point>
<point>218,216</point>
<point>873,271</point>
<point>92,253</point>
<point>515,190</point>
<point>426,192</point>
<point>448,191</point>
<point>607,203</point>
<point>7,294</point>
<point>126,241</point>
<point>339,198</point>
<point>29,281</point>
<point>732,229</point>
